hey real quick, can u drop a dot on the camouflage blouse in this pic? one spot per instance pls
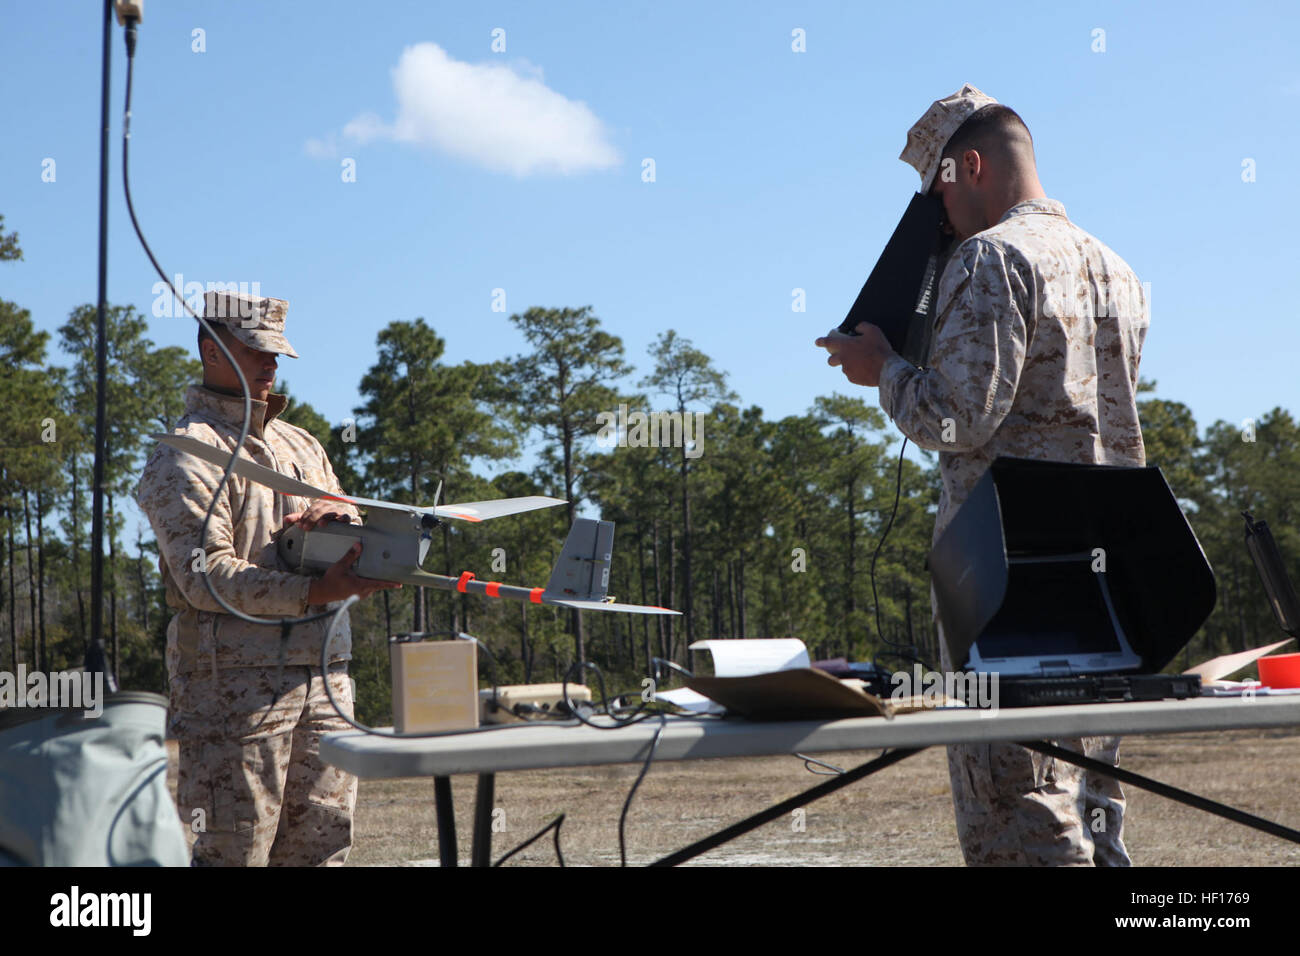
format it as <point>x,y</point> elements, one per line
<point>1037,341</point>
<point>242,563</point>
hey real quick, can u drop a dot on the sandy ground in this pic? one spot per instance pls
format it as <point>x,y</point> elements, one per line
<point>901,816</point>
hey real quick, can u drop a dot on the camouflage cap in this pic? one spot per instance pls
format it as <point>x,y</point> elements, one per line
<point>255,320</point>
<point>930,134</point>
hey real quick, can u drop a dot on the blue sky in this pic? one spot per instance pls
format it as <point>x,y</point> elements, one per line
<point>774,170</point>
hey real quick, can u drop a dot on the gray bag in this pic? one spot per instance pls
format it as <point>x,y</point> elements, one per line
<point>78,791</point>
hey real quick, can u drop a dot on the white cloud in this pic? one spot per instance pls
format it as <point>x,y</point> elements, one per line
<point>497,116</point>
<point>321,148</point>
<point>366,127</point>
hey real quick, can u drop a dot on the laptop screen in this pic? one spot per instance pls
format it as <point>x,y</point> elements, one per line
<point>1056,609</point>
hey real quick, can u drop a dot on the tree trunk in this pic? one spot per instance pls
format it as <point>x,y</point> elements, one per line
<point>446,569</point>
<point>388,617</point>
<point>112,587</point>
<point>850,570</point>
<point>907,601</point>
<point>787,627</point>
<point>417,599</point>
<point>571,506</point>
<point>76,554</point>
<point>687,578</point>
<point>740,579</point>
<point>31,580</point>
<point>525,649</point>
<point>661,620</point>
<point>13,650</point>
<point>40,578</point>
<point>714,604</point>
<point>1241,610</point>
<point>142,580</point>
<point>672,594</point>
<point>645,623</point>
<point>13,627</point>
<point>731,597</point>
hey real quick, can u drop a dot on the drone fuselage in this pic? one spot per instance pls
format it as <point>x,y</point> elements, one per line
<point>393,545</point>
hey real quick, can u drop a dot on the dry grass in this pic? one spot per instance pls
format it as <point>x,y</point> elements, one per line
<point>901,816</point>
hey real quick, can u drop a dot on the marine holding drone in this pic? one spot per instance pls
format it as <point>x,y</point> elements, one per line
<point>249,700</point>
<point>251,786</point>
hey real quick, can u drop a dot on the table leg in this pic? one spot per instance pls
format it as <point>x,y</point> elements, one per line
<point>886,759</point>
<point>484,795</point>
<point>1164,789</point>
<point>446,813</point>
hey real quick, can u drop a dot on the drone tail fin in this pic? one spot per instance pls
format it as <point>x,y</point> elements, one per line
<point>582,571</point>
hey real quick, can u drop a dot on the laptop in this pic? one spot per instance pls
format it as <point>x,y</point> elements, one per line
<point>1058,640</point>
<point>1017,594</point>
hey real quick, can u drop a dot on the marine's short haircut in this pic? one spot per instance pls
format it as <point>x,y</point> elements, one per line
<point>203,334</point>
<point>990,127</point>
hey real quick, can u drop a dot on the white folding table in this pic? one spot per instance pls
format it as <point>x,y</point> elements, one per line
<point>489,751</point>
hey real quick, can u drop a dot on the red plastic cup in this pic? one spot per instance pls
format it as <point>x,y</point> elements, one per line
<point>1279,670</point>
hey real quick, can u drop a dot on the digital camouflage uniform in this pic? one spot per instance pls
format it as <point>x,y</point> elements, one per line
<point>251,785</point>
<point>1038,335</point>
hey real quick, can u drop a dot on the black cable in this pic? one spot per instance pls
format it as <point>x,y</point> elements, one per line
<point>285,624</point>
<point>659,662</point>
<point>898,491</point>
<point>96,658</point>
<point>553,825</point>
<point>831,771</point>
<point>627,804</point>
<point>243,382</point>
<point>638,714</point>
<point>578,718</point>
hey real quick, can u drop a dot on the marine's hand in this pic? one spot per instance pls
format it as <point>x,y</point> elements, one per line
<point>341,582</point>
<point>318,512</point>
<point>861,356</point>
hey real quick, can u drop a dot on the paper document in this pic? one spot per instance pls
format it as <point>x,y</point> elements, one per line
<point>744,657</point>
<point>687,699</point>
<point>1217,668</point>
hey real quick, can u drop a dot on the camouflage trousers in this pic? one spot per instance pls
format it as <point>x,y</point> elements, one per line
<point>1017,807</point>
<point>252,789</point>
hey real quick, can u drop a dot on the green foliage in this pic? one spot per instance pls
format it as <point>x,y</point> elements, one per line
<point>770,530</point>
<point>9,248</point>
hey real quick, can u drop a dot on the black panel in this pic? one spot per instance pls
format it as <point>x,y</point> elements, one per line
<point>901,293</point>
<point>1159,579</point>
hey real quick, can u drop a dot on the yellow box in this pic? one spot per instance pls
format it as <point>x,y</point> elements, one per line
<point>435,685</point>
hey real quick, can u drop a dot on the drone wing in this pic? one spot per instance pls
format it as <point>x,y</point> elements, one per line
<point>610,606</point>
<point>469,511</point>
<point>246,468</point>
<point>483,510</point>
